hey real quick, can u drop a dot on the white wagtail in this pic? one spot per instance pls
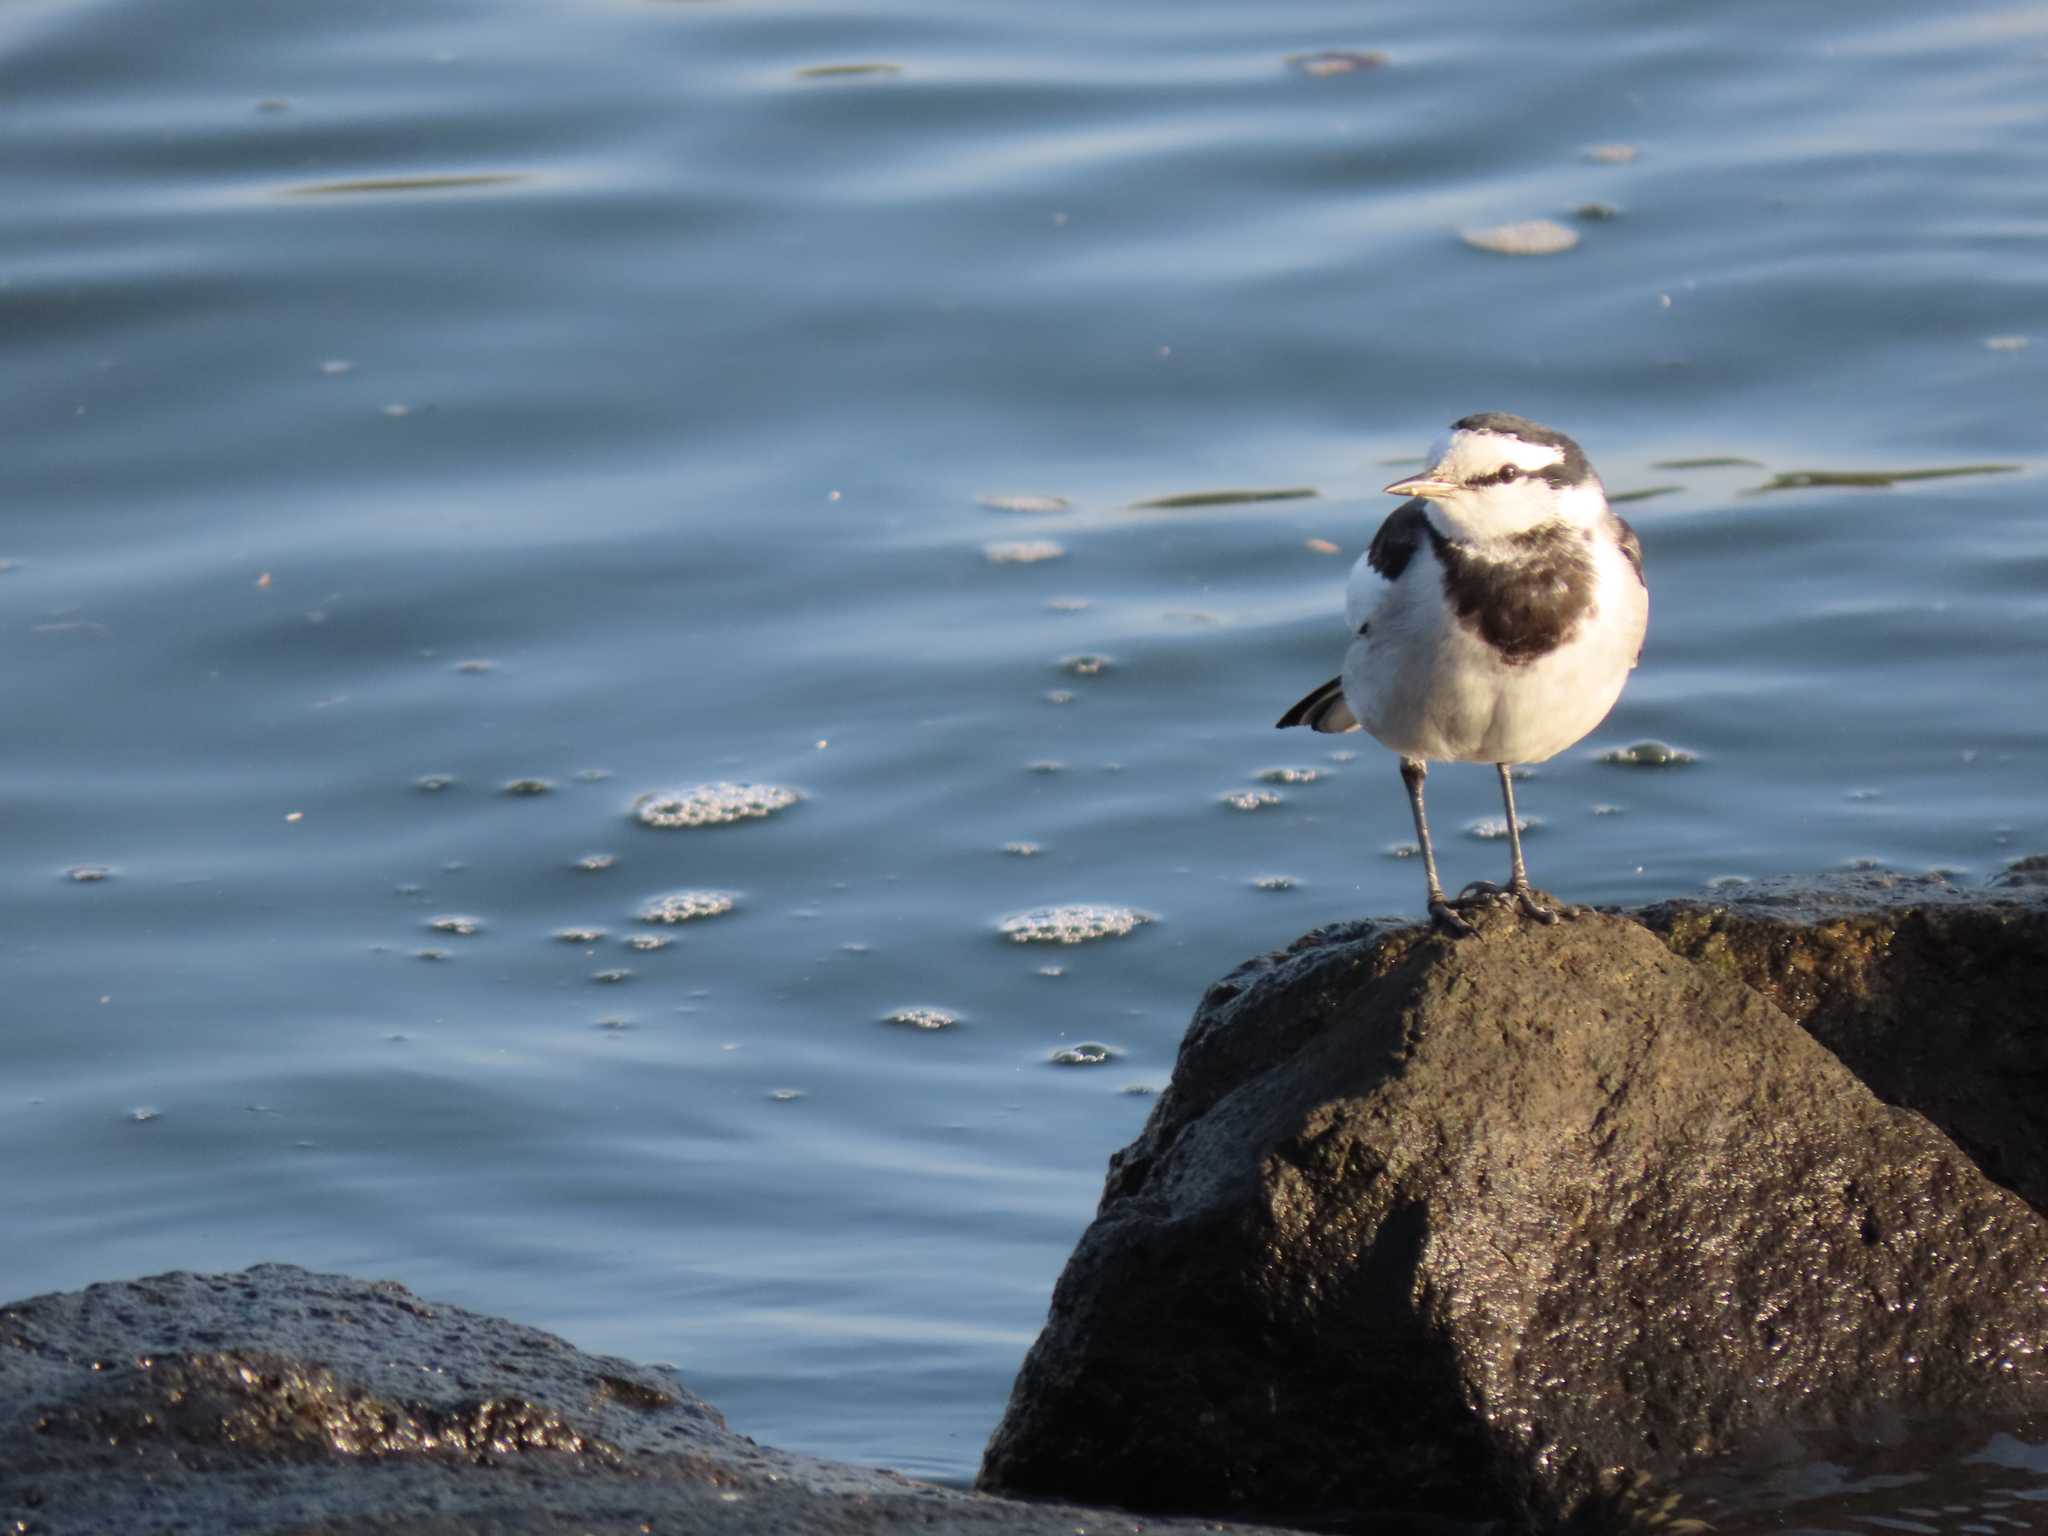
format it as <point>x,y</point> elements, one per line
<point>1494,619</point>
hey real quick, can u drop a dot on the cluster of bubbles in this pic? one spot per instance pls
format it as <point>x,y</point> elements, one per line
<point>712,805</point>
<point>1071,925</point>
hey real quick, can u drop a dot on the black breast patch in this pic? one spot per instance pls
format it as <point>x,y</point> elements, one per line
<point>1524,605</point>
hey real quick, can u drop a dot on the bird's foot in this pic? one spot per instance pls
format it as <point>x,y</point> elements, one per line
<point>1517,893</point>
<point>1447,920</point>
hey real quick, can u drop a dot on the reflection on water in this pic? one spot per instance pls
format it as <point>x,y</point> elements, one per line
<point>369,554</point>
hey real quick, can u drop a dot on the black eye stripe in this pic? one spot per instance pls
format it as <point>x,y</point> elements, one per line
<point>1557,475</point>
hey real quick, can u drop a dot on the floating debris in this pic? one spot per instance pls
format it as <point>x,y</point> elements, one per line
<point>430,954</point>
<point>1492,829</point>
<point>1649,754</point>
<point>1251,799</point>
<point>1067,604</point>
<point>1071,925</point>
<point>1024,503</point>
<point>611,978</point>
<point>1609,154</point>
<point>1288,775</point>
<point>1045,766</point>
<point>613,1026</point>
<point>592,775</point>
<point>1138,1090</point>
<point>1058,696</point>
<point>712,805</point>
<point>1596,213</point>
<point>1022,850</point>
<point>647,943</point>
<point>335,367</point>
<point>1087,665</point>
<point>1273,883</point>
<point>89,874</point>
<point>1607,810</point>
<point>1527,237</point>
<point>1645,494</point>
<point>1088,1053</point>
<point>527,787</point>
<point>1801,479</point>
<point>142,1114</point>
<point>1336,61</point>
<point>580,935</point>
<point>433,783</point>
<point>1402,850</point>
<point>784,1095</point>
<point>461,924</point>
<point>596,863</point>
<point>921,1018</point>
<point>2007,343</point>
<point>1024,551</point>
<point>403,184</point>
<point>474,665</point>
<point>847,71</point>
<point>1321,547</point>
<point>1718,461</point>
<point>1229,498</point>
<point>687,906</point>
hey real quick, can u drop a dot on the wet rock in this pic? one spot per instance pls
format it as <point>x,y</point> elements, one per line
<point>1526,1228</point>
<point>1929,992</point>
<point>279,1399</point>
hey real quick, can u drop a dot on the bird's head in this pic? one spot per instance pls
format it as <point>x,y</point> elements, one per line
<point>1498,475</point>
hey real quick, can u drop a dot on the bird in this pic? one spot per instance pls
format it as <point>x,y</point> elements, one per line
<point>1494,619</point>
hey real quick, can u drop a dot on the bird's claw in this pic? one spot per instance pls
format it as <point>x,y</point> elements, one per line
<point>1519,893</point>
<point>1453,925</point>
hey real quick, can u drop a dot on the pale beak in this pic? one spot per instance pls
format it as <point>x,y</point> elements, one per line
<point>1421,485</point>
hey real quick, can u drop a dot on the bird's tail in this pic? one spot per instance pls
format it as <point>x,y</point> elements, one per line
<point>1323,710</point>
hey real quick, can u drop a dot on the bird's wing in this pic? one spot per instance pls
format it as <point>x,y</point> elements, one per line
<point>1392,548</point>
<point>1632,550</point>
<point>1323,710</point>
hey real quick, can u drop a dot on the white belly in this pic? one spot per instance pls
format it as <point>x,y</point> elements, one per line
<point>1428,687</point>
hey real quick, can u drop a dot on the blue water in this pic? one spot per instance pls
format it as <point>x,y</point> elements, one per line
<point>576,391</point>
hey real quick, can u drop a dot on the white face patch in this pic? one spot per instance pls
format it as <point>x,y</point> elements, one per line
<point>1475,454</point>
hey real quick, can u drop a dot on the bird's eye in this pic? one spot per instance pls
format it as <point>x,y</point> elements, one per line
<point>1509,472</point>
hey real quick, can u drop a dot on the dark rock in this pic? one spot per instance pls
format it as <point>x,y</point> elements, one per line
<point>276,1400</point>
<point>1519,1228</point>
<point>1935,996</point>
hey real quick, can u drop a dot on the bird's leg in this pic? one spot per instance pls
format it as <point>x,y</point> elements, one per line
<point>1413,771</point>
<point>1518,873</point>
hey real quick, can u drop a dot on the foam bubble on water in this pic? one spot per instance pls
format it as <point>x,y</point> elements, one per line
<point>592,775</point>
<point>1649,754</point>
<point>1493,829</point>
<point>526,787</point>
<point>580,935</point>
<point>433,783</point>
<point>712,805</point>
<point>1336,61</point>
<point>1288,775</point>
<point>647,943</point>
<point>1525,237</point>
<point>1610,154</point>
<point>1087,665</point>
<point>1403,850</point>
<point>1072,925</point>
<point>612,977</point>
<point>921,1018</point>
<point>1053,971</point>
<point>1727,882</point>
<point>142,1114</point>
<point>475,664</point>
<point>1273,883</point>
<point>2007,343</point>
<point>459,923</point>
<point>687,906</point>
<point>1607,810</point>
<point>1088,1053</point>
<point>613,1026</point>
<point>1067,604</point>
<point>1046,765</point>
<point>89,874</point>
<point>1022,850</point>
<point>1024,551</point>
<point>596,863</point>
<point>430,954</point>
<point>1058,696</point>
<point>1024,503</point>
<point>784,1095</point>
<point>1251,799</point>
